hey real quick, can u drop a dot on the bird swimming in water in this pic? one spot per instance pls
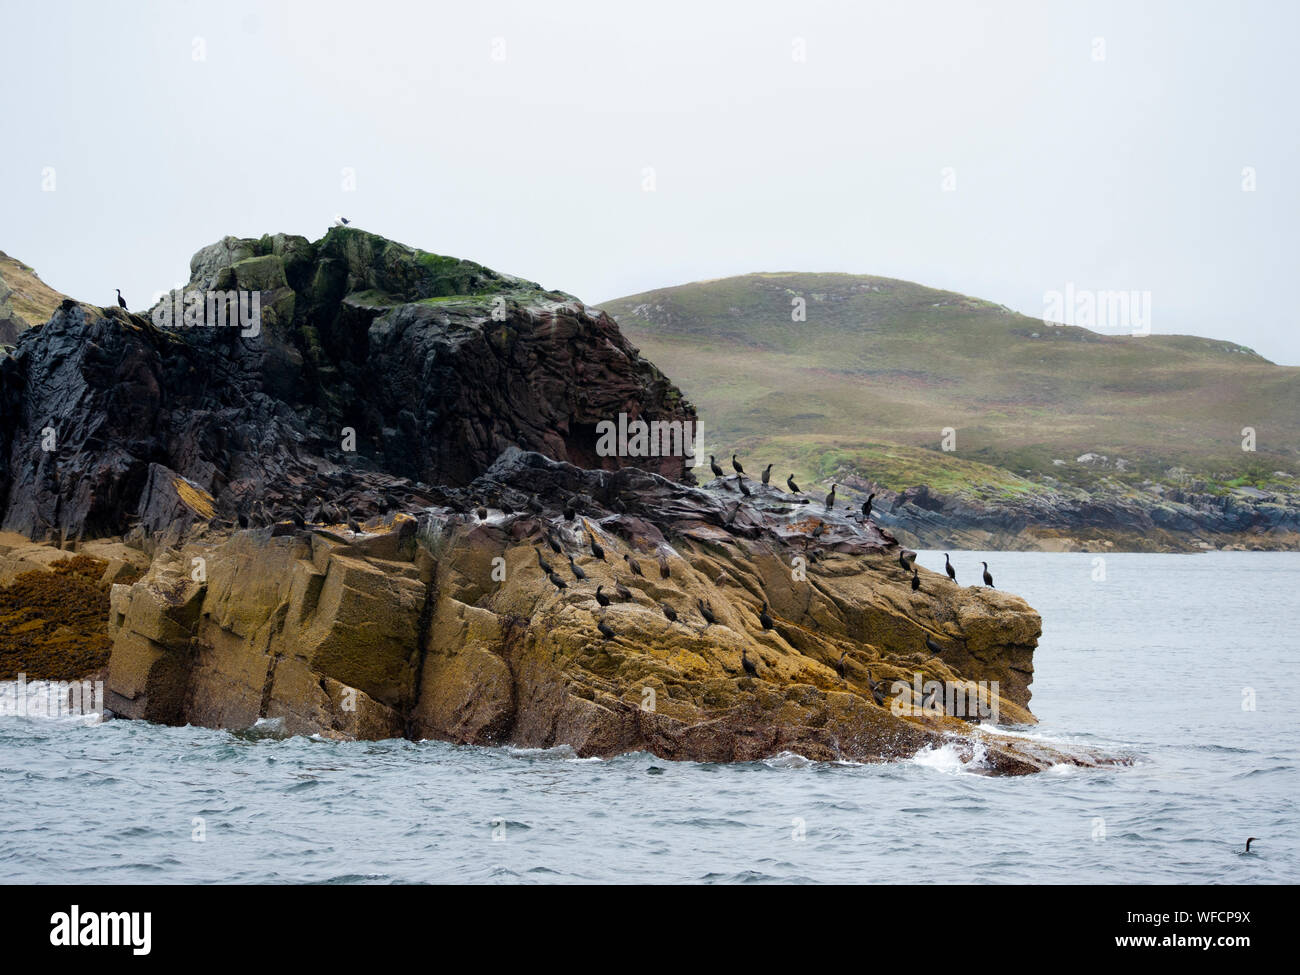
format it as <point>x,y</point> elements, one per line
<point>596,550</point>
<point>947,567</point>
<point>767,474</point>
<point>748,664</point>
<point>765,618</point>
<point>740,480</point>
<point>794,488</point>
<point>707,612</point>
<point>120,300</point>
<point>601,597</point>
<point>1249,840</point>
<point>866,507</point>
<point>988,576</point>
<point>558,582</point>
<point>840,667</point>
<point>830,498</point>
<point>736,464</point>
<point>606,630</point>
<point>669,612</point>
<point>713,463</point>
<point>930,645</point>
<point>623,591</point>
<point>633,564</point>
<point>576,569</point>
<point>542,563</point>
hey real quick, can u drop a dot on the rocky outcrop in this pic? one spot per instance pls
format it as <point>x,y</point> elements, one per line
<point>441,625</point>
<point>374,369</point>
<point>25,300</point>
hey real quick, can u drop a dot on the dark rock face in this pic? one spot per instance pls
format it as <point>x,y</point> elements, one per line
<point>377,369</point>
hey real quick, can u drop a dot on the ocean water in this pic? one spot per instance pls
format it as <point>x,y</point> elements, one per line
<point>1154,661</point>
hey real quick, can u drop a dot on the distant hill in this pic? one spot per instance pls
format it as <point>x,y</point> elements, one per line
<point>866,385</point>
<point>25,300</point>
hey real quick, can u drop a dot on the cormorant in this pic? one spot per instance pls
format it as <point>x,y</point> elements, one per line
<point>988,576</point>
<point>569,513</point>
<point>765,618</point>
<point>243,519</point>
<point>740,480</point>
<point>601,597</point>
<point>707,612</point>
<point>930,645</point>
<point>542,563</point>
<point>481,512</point>
<point>830,498</point>
<point>916,582</point>
<point>767,474</point>
<point>623,591</point>
<point>558,582</point>
<point>298,520</point>
<point>606,630</point>
<point>354,526</point>
<point>817,532</point>
<point>794,488</point>
<point>745,662</point>
<point>839,667</point>
<point>736,464</point>
<point>866,507</point>
<point>596,550</point>
<point>633,564</point>
<point>120,300</point>
<point>947,567</point>
<point>713,463</point>
<point>577,569</point>
<point>664,570</point>
<point>877,694</point>
<point>555,545</point>
<point>904,561</point>
<point>669,612</point>
<point>1249,840</point>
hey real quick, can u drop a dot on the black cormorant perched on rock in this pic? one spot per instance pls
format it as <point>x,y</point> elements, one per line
<point>748,664</point>
<point>552,541</point>
<point>633,564</point>
<point>819,530</point>
<point>765,618</point>
<point>736,464</point>
<point>558,582</point>
<point>354,526</point>
<point>740,480</point>
<point>606,630</point>
<point>916,581</point>
<point>623,591</point>
<point>121,302</point>
<point>767,474</point>
<point>542,563</point>
<point>596,550</point>
<point>877,694</point>
<point>904,561</point>
<point>576,569</point>
<point>866,507</point>
<point>601,597</point>
<point>840,667</point>
<point>669,612</point>
<point>707,612</point>
<point>794,488</point>
<point>664,570</point>
<point>930,645</point>
<point>569,512</point>
<point>713,463</point>
<point>988,576</point>
<point>830,498</point>
<point>298,520</point>
<point>947,567</point>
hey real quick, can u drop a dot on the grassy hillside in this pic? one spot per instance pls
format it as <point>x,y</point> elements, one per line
<point>25,300</point>
<point>881,366</point>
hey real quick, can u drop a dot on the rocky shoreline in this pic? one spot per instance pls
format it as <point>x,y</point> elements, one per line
<point>392,586</point>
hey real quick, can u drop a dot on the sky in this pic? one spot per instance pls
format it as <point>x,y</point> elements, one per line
<point>1004,150</point>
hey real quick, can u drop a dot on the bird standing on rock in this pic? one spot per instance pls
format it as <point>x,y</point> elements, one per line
<point>669,612</point>
<point>601,597</point>
<point>904,561</point>
<point>988,576</point>
<point>541,562</point>
<point>558,582</point>
<point>748,664</point>
<point>707,612</point>
<point>866,507</point>
<point>121,302</point>
<point>830,498</point>
<point>736,464</point>
<point>916,581</point>
<point>623,591</point>
<point>794,488</point>
<point>740,481</point>
<point>552,541</point>
<point>633,564</point>
<point>840,667</point>
<point>596,550</point>
<point>765,618</point>
<point>932,646</point>
<point>877,694</point>
<point>606,630</point>
<point>767,474</point>
<point>713,463</point>
<point>664,570</point>
<point>576,569</point>
<point>947,567</point>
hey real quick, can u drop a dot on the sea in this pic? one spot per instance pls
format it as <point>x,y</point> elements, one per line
<point>1186,665</point>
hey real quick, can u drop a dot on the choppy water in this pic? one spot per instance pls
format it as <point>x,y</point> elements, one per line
<point>1153,661</point>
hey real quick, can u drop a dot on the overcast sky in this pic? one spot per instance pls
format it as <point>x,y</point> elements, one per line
<point>1100,145</point>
